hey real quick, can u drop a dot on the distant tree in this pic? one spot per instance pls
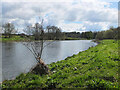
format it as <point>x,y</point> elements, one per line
<point>50,33</point>
<point>38,31</point>
<point>112,33</point>
<point>35,30</point>
<point>28,30</point>
<point>94,34</point>
<point>99,36</point>
<point>8,29</point>
<point>108,34</point>
<point>87,35</point>
<point>83,35</point>
<point>116,33</point>
<point>111,28</point>
<point>54,32</point>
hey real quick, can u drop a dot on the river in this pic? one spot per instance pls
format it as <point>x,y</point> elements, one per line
<point>16,58</point>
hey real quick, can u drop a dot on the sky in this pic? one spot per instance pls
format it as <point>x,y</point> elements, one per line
<point>69,15</point>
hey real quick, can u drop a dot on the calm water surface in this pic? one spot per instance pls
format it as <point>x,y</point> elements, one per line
<point>16,58</point>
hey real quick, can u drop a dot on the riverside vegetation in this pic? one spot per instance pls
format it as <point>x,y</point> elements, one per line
<point>14,38</point>
<point>96,67</point>
<point>112,33</point>
<point>18,38</point>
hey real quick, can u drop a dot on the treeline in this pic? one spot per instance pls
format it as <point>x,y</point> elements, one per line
<point>83,35</point>
<point>36,32</point>
<point>112,33</point>
<point>55,33</point>
<point>39,32</point>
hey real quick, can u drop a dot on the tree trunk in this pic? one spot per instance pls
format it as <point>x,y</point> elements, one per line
<point>41,68</point>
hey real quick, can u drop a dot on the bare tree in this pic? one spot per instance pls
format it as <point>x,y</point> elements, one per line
<point>8,29</point>
<point>28,30</point>
<point>36,47</point>
<point>53,33</point>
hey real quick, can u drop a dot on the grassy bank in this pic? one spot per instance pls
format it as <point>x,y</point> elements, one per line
<point>70,38</point>
<point>19,38</point>
<point>96,67</point>
<point>13,38</point>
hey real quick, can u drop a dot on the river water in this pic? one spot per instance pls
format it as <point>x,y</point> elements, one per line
<point>16,58</point>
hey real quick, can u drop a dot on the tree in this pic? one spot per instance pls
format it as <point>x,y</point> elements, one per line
<point>53,32</point>
<point>28,30</point>
<point>8,29</point>
<point>117,33</point>
<point>36,47</point>
<point>87,35</point>
<point>99,36</point>
<point>109,34</point>
<point>94,34</point>
<point>38,31</point>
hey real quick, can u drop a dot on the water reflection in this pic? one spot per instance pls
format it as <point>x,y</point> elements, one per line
<point>51,52</point>
<point>15,59</point>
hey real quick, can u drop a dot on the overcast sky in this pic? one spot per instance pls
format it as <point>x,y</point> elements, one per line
<point>71,15</point>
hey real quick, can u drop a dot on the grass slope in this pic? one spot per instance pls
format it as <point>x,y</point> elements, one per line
<point>96,67</point>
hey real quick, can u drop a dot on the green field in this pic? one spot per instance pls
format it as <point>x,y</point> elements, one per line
<point>19,38</point>
<point>96,67</point>
<point>13,38</point>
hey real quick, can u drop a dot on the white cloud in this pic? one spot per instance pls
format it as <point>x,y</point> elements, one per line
<point>37,1</point>
<point>96,26</point>
<point>85,26</point>
<point>70,27</point>
<point>56,0</point>
<point>94,14</point>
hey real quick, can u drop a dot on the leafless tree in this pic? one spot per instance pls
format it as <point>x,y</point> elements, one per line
<point>53,32</point>
<point>8,29</point>
<point>37,45</point>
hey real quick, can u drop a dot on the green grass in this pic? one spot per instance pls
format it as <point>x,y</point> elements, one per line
<point>96,67</point>
<point>13,38</point>
<point>19,38</point>
<point>71,38</point>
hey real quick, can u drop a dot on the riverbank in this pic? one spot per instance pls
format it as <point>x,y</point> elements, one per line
<point>17,38</point>
<point>12,39</point>
<point>96,67</point>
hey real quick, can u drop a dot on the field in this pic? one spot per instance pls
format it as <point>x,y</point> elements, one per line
<point>19,38</point>
<point>13,38</point>
<point>96,67</point>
